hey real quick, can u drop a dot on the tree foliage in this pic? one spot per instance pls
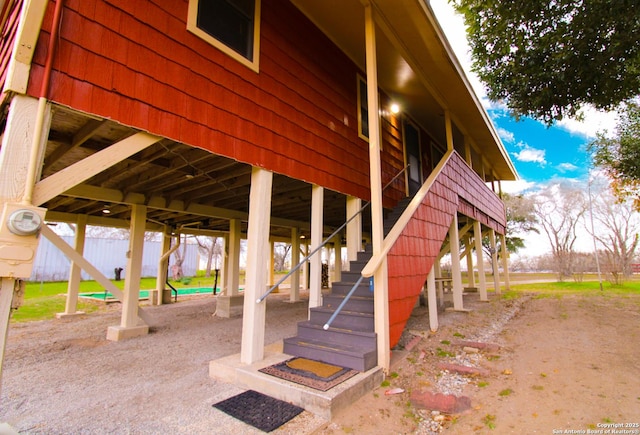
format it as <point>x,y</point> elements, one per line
<point>619,155</point>
<point>547,59</point>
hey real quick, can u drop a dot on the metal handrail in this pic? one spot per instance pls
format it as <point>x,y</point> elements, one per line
<point>375,261</point>
<point>343,303</point>
<point>305,259</point>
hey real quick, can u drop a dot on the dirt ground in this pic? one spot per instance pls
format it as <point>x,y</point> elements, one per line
<point>567,363</point>
<point>563,363</point>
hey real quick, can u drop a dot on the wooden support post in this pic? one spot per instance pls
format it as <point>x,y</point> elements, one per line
<point>233,270</point>
<point>254,315</point>
<point>294,292</point>
<point>494,261</point>
<point>75,271</point>
<point>19,145</point>
<point>482,282</point>
<point>163,266</point>
<point>432,301</point>
<point>456,274</point>
<point>337,258</point>
<point>317,213</point>
<point>272,264</point>
<point>354,229</point>
<point>129,326</point>
<point>471,278</point>
<point>380,277</point>
<point>230,302</point>
<point>505,262</point>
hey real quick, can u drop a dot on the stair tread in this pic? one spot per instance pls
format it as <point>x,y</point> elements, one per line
<point>308,324</point>
<point>344,311</point>
<point>353,349</point>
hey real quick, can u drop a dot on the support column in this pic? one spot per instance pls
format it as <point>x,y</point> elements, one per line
<point>354,229</point>
<point>456,275</point>
<point>494,261</point>
<point>272,265</point>
<point>230,303</point>
<point>477,238</point>
<point>294,293</point>
<point>75,271</point>
<point>505,262</point>
<point>448,129</point>
<point>129,326</point>
<point>432,301</point>
<point>470,275</point>
<point>305,266</point>
<point>315,284</point>
<point>163,266</point>
<point>21,155</point>
<point>380,277</point>
<point>337,258</point>
<point>254,315</point>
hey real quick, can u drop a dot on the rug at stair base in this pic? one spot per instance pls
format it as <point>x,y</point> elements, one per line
<point>289,371</point>
<point>258,410</point>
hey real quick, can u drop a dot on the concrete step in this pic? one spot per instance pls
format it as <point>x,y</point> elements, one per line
<point>325,404</point>
<point>350,356</point>
<point>309,331</point>
<point>351,320</point>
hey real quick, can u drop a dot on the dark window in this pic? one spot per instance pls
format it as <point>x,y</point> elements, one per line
<point>364,109</point>
<point>229,21</point>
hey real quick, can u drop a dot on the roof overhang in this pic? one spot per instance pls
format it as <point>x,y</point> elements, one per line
<point>416,67</point>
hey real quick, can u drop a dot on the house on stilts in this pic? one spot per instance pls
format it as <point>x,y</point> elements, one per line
<point>345,120</point>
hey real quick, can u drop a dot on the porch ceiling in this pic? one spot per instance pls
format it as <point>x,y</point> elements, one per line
<point>181,185</point>
<point>416,67</point>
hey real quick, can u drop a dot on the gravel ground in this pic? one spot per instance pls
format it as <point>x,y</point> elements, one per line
<point>64,377</point>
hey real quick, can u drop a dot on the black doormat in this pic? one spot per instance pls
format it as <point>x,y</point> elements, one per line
<point>306,378</point>
<point>260,411</point>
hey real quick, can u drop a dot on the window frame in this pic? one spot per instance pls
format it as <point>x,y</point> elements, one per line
<point>254,62</point>
<point>362,107</point>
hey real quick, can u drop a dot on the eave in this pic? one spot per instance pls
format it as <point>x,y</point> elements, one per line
<point>416,67</point>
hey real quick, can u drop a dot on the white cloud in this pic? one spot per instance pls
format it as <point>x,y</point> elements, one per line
<point>593,122</point>
<point>566,167</point>
<point>517,187</point>
<point>506,135</point>
<point>529,154</point>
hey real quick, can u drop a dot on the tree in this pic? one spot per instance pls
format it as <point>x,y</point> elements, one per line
<point>521,219</point>
<point>618,226</point>
<point>619,155</point>
<point>559,208</point>
<point>210,248</point>
<point>547,59</point>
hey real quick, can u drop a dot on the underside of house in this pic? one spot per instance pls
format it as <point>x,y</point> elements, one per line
<point>115,114</point>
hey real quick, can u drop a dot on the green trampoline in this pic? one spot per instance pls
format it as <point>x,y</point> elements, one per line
<point>144,294</point>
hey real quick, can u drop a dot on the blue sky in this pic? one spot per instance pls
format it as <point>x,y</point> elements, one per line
<point>541,153</point>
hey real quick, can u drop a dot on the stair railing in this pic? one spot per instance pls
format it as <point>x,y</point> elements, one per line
<point>376,259</point>
<point>305,259</point>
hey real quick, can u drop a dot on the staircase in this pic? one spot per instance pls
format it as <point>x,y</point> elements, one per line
<point>351,340</point>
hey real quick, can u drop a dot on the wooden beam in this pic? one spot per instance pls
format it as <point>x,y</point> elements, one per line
<point>78,259</point>
<point>84,134</point>
<point>81,171</point>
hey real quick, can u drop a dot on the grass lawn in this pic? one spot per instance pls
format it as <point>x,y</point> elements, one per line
<point>43,300</point>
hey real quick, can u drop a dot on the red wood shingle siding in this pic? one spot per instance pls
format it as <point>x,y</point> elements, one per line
<point>411,258</point>
<point>9,29</point>
<point>135,62</point>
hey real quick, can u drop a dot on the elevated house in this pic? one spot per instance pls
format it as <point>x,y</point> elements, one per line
<point>264,119</point>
